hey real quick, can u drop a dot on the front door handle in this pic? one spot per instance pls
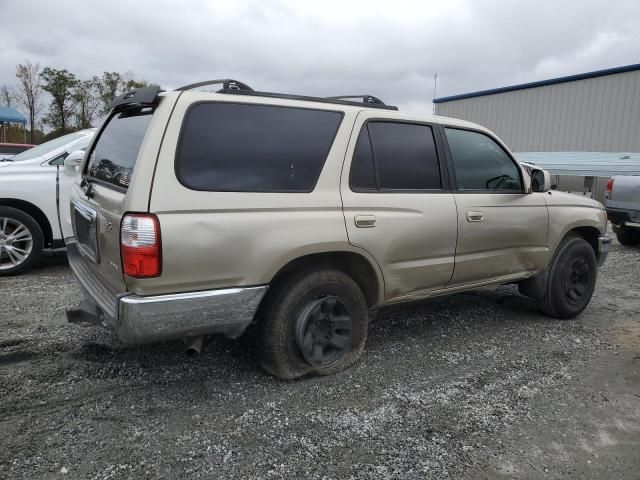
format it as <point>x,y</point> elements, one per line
<point>365,221</point>
<point>475,216</point>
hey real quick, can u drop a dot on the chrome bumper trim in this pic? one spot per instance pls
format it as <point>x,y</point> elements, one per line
<point>604,245</point>
<point>148,319</point>
<point>140,319</point>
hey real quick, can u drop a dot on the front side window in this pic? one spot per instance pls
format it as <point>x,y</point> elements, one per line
<point>232,147</point>
<point>116,151</point>
<point>394,156</point>
<point>480,163</point>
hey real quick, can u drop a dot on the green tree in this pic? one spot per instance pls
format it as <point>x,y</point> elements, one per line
<point>112,84</point>
<point>129,82</point>
<point>60,84</point>
<point>108,88</point>
<point>86,100</point>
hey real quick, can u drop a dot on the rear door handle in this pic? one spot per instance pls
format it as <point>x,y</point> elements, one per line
<point>365,221</point>
<point>475,216</point>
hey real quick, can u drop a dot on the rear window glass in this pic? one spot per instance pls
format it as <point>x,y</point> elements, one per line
<point>405,156</point>
<point>363,172</point>
<point>233,147</point>
<point>114,155</point>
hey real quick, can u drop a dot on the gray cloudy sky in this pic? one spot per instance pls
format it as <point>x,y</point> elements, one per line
<point>388,48</point>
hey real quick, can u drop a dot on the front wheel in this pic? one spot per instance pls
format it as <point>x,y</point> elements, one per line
<point>572,279</point>
<point>21,241</point>
<point>312,323</point>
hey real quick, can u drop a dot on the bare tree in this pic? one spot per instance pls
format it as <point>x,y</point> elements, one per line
<point>7,96</point>
<point>28,76</point>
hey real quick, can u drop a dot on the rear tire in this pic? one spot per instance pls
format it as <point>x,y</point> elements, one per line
<point>312,323</point>
<point>572,279</point>
<point>21,241</point>
<point>629,237</point>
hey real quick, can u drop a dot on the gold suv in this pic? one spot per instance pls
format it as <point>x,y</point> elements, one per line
<point>198,213</point>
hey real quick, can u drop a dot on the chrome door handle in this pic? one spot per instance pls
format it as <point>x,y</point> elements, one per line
<point>365,221</point>
<point>475,216</point>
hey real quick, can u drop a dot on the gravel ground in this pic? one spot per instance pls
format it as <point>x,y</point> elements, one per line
<point>476,385</point>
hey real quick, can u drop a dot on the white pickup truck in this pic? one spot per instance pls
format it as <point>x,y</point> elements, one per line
<point>32,187</point>
<point>623,208</point>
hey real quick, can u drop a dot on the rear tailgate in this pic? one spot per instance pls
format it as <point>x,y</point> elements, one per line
<point>116,179</point>
<point>625,194</point>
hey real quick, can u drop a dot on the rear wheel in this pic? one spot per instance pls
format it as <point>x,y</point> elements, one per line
<point>628,236</point>
<point>572,279</point>
<point>312,323</point>
<point>21,241</point>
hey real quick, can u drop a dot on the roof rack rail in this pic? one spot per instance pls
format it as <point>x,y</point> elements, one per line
<point>229,85</point>
<point>235,87</point>
<point>366,98</point>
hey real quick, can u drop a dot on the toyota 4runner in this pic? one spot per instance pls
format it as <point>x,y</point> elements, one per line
<point>199,213</point>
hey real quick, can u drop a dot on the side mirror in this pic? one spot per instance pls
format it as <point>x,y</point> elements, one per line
<point>540,180</point>
<point>74,159</point>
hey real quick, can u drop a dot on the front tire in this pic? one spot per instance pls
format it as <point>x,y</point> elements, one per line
<point>572,279</point>
<point>21,241</point>
<point>312,323</point>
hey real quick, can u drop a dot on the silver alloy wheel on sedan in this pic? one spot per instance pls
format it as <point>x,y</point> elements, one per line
<point>16,243</point>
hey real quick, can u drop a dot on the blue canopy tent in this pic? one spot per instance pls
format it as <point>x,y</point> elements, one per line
<point>9,115</point>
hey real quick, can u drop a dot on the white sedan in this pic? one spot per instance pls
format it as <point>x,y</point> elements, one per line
<point>30,196</point>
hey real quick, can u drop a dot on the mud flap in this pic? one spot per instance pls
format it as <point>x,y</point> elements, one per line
<point>536,286</point>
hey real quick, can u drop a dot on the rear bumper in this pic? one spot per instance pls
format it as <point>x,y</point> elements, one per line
<point>140,319</point>
<point>604,245</point>
<point>624,218</point>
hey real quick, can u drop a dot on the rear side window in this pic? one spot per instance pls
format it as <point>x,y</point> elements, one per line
<point>114,155</point>
<point>363,174</point>
<point>480,163</point>
<point>231,147</point>
<point>392,156</point>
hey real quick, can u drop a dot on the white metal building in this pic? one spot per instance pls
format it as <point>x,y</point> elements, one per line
<point>590,112</point>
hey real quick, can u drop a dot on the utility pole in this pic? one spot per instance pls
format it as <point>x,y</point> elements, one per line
<point>435,85</point>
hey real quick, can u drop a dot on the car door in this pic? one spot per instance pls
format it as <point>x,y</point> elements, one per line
<point>64,182</point>
<point>502,230</point>
<point>397,203</point>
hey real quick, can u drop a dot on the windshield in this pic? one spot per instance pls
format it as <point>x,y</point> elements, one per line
<point>44,148</point>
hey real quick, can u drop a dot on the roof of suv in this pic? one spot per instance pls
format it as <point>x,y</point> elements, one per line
<point>364,102</point>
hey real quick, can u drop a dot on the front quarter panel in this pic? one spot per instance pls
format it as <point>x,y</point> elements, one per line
<point>568,212</point>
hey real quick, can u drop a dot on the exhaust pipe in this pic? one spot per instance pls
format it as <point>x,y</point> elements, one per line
<point>194,346</point>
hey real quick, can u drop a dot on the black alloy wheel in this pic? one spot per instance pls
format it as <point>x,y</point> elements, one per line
<point>324,331</point>
<point>578,279</point>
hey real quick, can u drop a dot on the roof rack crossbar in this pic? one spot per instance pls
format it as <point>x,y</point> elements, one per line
<point>366,98</point>
<point>228,85</point>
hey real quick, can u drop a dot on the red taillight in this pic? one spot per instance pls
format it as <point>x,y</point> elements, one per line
<point>140,246</point>
<point>609,185</point>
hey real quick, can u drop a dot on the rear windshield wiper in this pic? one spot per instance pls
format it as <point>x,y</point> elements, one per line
<point>5,160</point>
